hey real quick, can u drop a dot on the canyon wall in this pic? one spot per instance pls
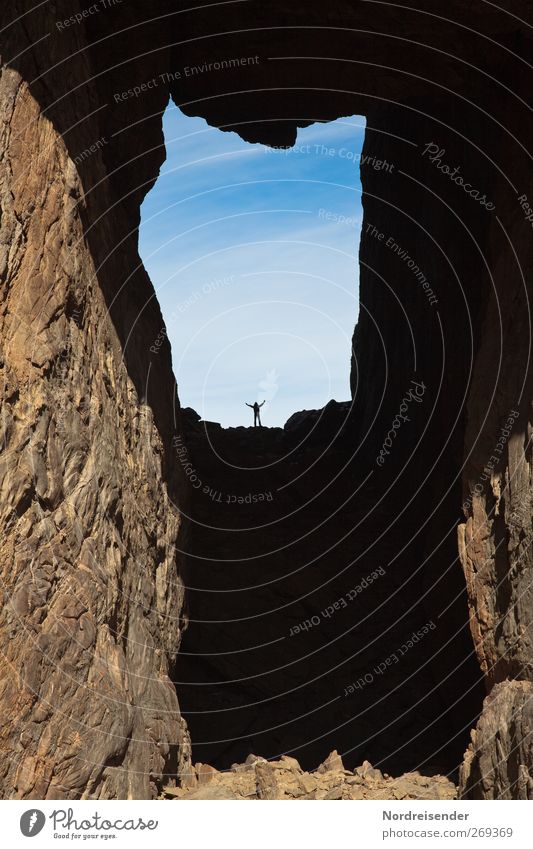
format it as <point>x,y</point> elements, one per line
<point>91,587</point>
<point>92,493</point>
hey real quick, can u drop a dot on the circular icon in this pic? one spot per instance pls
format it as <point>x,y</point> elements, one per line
<point>32,822</point>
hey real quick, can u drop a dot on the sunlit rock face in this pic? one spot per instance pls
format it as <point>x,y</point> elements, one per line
<point>94,498</point>
<point>90,572</point>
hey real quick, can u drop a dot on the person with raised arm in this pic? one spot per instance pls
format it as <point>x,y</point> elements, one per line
<point>257,416</point>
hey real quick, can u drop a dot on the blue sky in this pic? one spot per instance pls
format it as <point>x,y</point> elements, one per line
<point>253,255</point>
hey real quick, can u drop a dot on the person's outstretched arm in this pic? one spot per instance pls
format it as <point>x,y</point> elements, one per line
<point>249,405</point>
<point>261,404</point>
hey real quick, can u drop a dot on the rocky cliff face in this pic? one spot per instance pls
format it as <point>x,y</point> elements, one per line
<point>91,591</point>
<point>93,493</point>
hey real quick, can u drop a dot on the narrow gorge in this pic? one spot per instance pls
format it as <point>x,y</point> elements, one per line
<point>148,623</point>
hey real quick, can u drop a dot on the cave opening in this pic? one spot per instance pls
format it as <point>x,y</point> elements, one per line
<point>252,250</point>
<point>322,615</point>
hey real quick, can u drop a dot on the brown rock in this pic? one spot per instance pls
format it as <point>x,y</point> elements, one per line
<point>497,764</point>
<point>205,773</point>
<point>171,792</point>
<point>357,792</point>
<point>367,771</point>
<point>212,792</point>
<point>251,760</point>
<point>268,780</point>
<point>90,526</point>
<point>333,763</point>
<point>287,763</point>
<point>335,792</point>
<point>268,786</point>
<point>307,782</point>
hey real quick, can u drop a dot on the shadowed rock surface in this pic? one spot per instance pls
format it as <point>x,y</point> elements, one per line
<point>307,625</point>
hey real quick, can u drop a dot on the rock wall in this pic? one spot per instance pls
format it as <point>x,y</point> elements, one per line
<point>495,540</point>
<point>91,588</point>
<point>91,490</point>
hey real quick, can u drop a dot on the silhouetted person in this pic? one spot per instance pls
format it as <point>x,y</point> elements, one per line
<point>257,416</point>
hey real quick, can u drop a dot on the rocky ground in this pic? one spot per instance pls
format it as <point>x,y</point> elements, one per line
<point>258,778</point>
